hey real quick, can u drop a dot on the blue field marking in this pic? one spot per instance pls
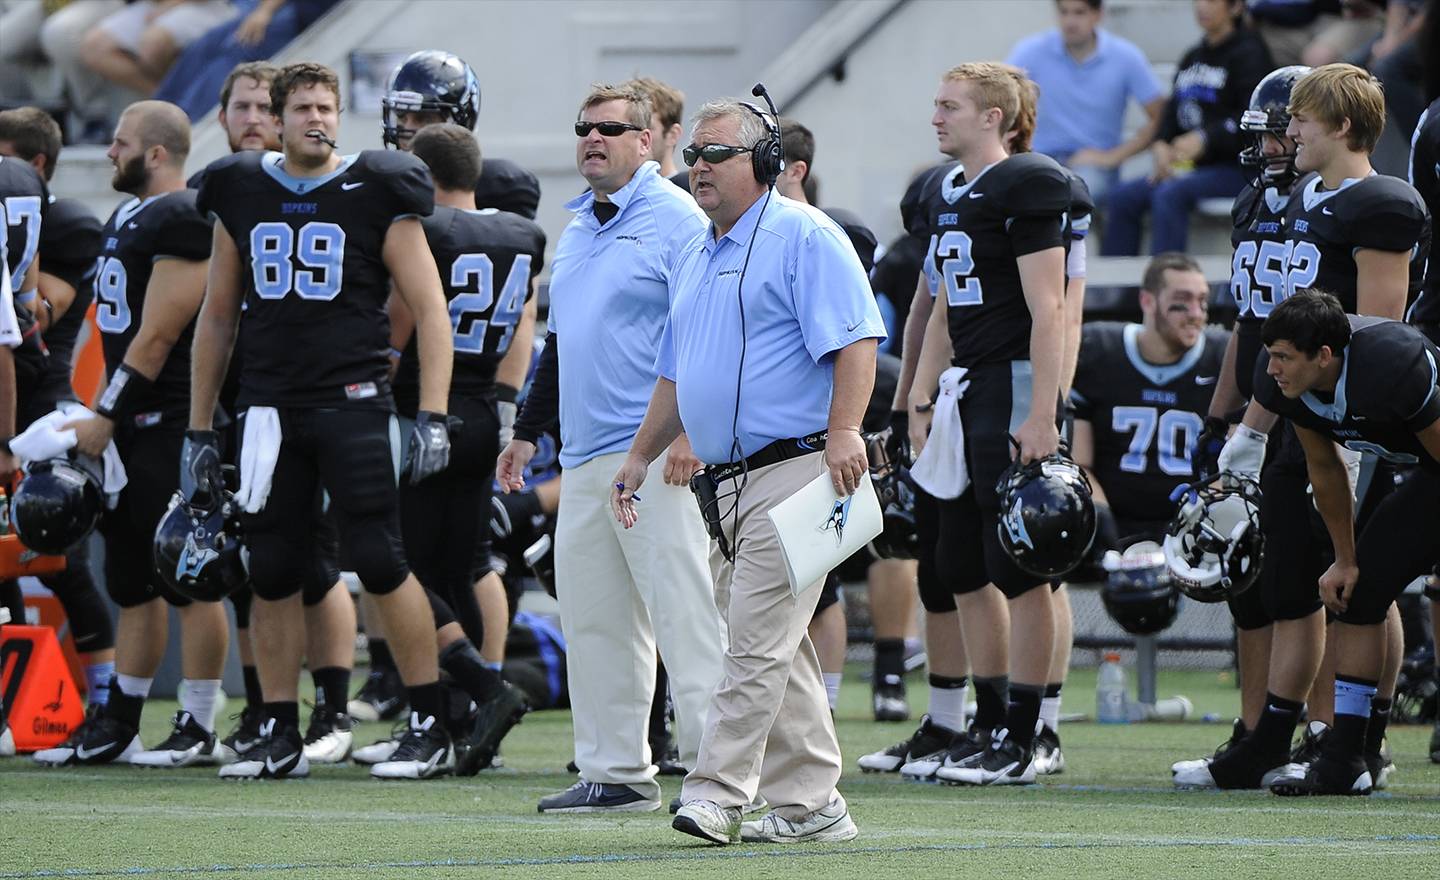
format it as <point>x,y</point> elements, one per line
<point>695,853</point>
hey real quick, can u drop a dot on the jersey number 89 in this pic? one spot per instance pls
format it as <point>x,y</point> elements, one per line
<point>320,249</point>
<point>476,272</point>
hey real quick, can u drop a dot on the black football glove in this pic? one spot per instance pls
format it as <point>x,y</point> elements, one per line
<point>1205,459</point>
<point>200,466</point>
<point>897,445</point>
<point>429,450</point>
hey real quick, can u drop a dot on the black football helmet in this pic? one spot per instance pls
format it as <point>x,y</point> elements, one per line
<point>58,504</point>
<point>1047,515</point>
<point>1139,591</point>
<point>891,478</point>
<point>430,81</point>
<point>198,549</point>
<point>1269,114</point>
<point>1214,546</point>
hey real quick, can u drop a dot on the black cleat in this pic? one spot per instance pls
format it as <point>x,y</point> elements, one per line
<point>888,700</point>
<point>929,739</point>
<point>1435,743</point>
<point>101,739</point>
<point>381,698</point>
<point>667,757</point>
<point>1049,760</point>
<point>1242,767</point>
<point>280,754</point>
<point>188,744</point>
<point>330,737</point>
<point>492,720</point>
<point>1307,751</point>
<point>1327,776</point>
<point>423,753</point>
<point>1005,762</point>
<point>244,737</point>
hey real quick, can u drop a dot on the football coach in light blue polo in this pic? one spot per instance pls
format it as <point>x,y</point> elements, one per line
<point>766,362</point>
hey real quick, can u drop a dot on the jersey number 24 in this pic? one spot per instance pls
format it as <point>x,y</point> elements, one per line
<point>475,273</point>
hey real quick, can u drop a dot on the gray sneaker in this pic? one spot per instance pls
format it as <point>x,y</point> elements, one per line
<point>598,797</point>
<point>708,820</point>
<point>829,824</point>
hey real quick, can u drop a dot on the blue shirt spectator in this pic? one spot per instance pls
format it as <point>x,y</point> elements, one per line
<point>803,281</point>
<point>609,294</point>
<point>1087,78</point>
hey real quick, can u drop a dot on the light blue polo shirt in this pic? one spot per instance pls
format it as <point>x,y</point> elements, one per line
<point>806,296</point>
<point>609,294</point>
<point>1083,104</point>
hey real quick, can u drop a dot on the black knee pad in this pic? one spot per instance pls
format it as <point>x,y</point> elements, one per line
<point>273,573</point>
<point>444,614</point>
<point>1248,610</point>
<point>933,595</point>
<point>324,563</point>
<point>1297,550</point>
<point>375,552</point>
<point>90,623</point>
<point>829,593</point>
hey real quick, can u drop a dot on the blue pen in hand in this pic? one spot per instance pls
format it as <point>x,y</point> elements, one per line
<point>620,487</point>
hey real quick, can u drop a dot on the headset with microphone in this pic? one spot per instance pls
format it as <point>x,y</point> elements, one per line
<point>767,157</point>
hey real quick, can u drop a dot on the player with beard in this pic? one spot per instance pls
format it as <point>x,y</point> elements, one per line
<point>1000,256</point>
<point>148,284</point>
<point>329,611</point>
<point>309,241</point>
<point>1364,238</point>
<point>1367,384</point>
<point>1425,314</point>
<point>70,244</point>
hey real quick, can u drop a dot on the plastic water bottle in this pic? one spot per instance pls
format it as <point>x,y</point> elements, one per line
<point>1110,697</point>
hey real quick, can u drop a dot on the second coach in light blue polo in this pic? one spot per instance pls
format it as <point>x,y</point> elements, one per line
<point>768,357</point>
<point>621,591</point>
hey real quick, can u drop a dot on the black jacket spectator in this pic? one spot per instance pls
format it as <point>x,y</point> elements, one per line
<point>1212,88</point>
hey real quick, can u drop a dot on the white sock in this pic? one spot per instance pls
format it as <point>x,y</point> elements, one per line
<point>947,707</point>
<point>133,685</point>
<point>1050,713</point>
<point>832,687</point>
<point>201,697</point>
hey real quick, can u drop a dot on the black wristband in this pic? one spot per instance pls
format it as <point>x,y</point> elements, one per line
<point>118,399</point>
<point>506,394</point>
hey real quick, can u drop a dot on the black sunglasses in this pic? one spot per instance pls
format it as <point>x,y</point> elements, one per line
<point>713,154</point>
<point>608,129</point>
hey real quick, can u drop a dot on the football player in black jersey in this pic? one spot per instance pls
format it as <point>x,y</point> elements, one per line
<point>24,198</point>
<point>148,283</point>
<point>1000,257</point>
<point>1370,385</point>
<point>329,611</point>
<point>69,245</point>
<point>488,263</point>
<point>1356,234</point>
<point>1425,313</point>
<point>1139,393</point>
<point>308,240</point>
<point>435,86</point>
<point>1257,282</point>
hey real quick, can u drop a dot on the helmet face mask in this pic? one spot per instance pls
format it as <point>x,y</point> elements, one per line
<point>891,477</point>
<point>1268,115</point>
<point>1047,515</point>
<point>1214,547</point>
<point>57,505</point>
<point>429,82</point>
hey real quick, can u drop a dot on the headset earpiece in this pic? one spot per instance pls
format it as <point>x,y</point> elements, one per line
<point>767,157</point>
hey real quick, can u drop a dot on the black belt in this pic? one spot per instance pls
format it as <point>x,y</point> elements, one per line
<point>773,453</point>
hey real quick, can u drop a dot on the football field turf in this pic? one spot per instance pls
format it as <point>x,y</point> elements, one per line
<point>1113,813</point>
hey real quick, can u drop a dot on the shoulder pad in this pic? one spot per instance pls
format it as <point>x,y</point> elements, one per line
<point>1382,212</point>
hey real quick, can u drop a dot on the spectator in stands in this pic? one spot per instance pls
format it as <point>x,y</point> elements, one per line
<point>1198,142</point>
<point>667,108</point>
<point>252,35</point>
<point>134,46</point>
<point>1087,77</point>
<point>1361,24</point>
<point>1289,26</point>
<point>35,30</point>
<point>1395,59</point>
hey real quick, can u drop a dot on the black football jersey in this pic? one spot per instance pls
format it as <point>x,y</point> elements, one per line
<point>1388,390</point>
<point>1323,228</point>
<point>505,186</point>
<point>1257,269</point>
<point>1082,206</point>
<point>1145,417</point>
<point>24,197</point>
<point>69,247</point>
<point>314,328</point>
<point>138,233</point>
<point>487,260</point>
<point>1017,206</point>
<point>1425,177</point>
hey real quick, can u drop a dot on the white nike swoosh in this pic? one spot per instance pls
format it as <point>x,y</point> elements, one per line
<point>349,186</point>
<point>1327,212</point>
<point>977,195</point>
<point>85,754</point>
<point>274,767</point>
<point>1205,380</point>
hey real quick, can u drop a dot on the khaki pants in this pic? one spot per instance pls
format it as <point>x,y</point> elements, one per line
<point>621,591</point>
<point>769,729</point>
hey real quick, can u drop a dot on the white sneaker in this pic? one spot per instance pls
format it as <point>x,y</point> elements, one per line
<point>829,824</point>
<point>329,738</point>
<point>708,820</point>
<point>7,742</point>
<point>423,753</point>
<point>279,754</point>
